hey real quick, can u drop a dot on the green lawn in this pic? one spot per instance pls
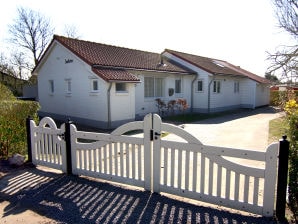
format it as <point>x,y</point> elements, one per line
<point>277,128</point>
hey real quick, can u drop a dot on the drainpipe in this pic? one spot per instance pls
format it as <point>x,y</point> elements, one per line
<point>192,92</point>
<point>209,93</point>
<point>109,105</point>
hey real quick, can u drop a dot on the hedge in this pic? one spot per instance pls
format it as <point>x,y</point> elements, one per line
<point>291,109</point>
<point>13,114</point>
<point>279,98</point>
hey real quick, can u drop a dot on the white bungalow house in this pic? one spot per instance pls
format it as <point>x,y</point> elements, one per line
<point>105,86</point>
<point>221,86</point>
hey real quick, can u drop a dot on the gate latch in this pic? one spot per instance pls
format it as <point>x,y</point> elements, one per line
<point>155,134</point>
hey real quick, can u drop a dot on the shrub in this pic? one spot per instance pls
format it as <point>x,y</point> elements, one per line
<point>5,93</point>
<point>291,109</point>
<point>279,98</point>
<point>13,114</point>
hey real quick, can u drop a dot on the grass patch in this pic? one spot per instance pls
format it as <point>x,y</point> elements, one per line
<point>189,118</point>
<point>277,128</point>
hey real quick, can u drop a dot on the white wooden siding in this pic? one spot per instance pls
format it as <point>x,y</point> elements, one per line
<point>262,95</point>
<point>81,102</point>
<point>247,93</point>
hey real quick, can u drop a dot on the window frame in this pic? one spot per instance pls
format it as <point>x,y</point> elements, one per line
<point>93,81</point>
<point>216,86</point>
<point>236,87</point>
<point>156,89</point>
<point>51,86</point>
<point>68,86</point>
<point>202,85</point>
<point>121,90</point>
<point>178,86</point>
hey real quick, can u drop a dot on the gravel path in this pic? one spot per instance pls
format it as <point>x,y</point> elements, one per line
<point>57,198</point>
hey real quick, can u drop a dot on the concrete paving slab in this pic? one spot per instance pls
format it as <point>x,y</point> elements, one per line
<point>248,129</point>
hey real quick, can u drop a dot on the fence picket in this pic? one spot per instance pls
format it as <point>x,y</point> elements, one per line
<point>172,167</point>
<point>179,171</point>
<point>187,169</point>
<point>195,172</point>
<point>133,162</point>
<point>121,160</point>
<point>256,191</point>
<point>140,168</point>
<point>228,183</point>
<point>127,160</point>
<point>237,184</point>
<point>219,178</point>
<point>210,174</point>
<point>202,178</point>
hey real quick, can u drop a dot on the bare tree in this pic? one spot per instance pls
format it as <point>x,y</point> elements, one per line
<point>20,64</point>
<point>31,31</point>
<point>285,60</point>
<point>71,31</point>
<point>286,12</point>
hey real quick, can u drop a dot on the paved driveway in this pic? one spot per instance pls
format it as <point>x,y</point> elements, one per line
<point>248,129</point>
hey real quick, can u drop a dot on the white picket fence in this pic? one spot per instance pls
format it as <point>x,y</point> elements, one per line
<point>185,168</point>
<point>48,147</point>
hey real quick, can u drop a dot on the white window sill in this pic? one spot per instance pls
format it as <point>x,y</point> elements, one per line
<point>122,93</point>
<point>93,93</point>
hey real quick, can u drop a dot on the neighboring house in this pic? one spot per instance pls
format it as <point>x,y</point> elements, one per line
<point>105,86</point>
<point>284,87</point>
<point>221,86</point>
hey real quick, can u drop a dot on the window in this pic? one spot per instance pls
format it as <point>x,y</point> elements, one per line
<point>216,86</point>
<point>68,85</point>
<point>178,84</point>
<point>200,86</point>
<point>51,86</point>
<point>121,87</point>
<point>94,85</point>
<point>236,87</point>
<point>153,87</point>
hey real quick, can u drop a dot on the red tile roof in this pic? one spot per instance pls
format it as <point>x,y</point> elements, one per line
<point>112,57</point>
<point>217,67</point>
<point>115,75</point>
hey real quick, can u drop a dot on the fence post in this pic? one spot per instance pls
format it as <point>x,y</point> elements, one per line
<point>282,178</point>
<point>29,144</point>
<point>67,138</point>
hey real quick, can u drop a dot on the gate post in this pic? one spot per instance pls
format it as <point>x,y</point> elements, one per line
<point>156,152</point>
<point>282,178</point>
<point>29,143</point>
<point>67,138</point>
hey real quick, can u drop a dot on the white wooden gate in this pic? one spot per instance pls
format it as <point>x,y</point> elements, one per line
<point>213,174</point>
<point>115,157</point>
<point>185,168</point>
<point>48,146</point>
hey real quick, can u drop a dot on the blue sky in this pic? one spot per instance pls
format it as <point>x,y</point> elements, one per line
<point>238,31</point>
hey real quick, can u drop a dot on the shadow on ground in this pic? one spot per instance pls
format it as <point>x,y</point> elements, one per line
<point>71,199</point>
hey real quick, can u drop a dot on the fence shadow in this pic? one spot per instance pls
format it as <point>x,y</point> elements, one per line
<point>71,199</point>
